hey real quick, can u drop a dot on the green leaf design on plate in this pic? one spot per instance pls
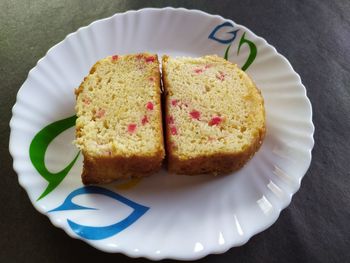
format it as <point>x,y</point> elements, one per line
<point>226,52</point>
<point>38,148</point>
<point>252,54</point>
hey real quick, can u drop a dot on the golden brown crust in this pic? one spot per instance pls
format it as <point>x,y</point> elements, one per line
<point>81,86</point>
<point>159,100</point>
<point>218,163</point>
<point>168,147</point>
<point>107,169</point>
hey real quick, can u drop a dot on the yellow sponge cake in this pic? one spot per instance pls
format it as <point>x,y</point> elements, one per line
<point>119,124</point>
<point>215,118</point>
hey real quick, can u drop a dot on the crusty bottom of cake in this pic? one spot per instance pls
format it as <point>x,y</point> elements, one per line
<point>108,169</point>
<point>219,163</point>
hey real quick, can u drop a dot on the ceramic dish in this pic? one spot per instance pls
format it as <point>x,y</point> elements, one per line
<point>164,216</point>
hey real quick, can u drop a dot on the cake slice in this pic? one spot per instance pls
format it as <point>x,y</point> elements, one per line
<point>215,118</point>
<point>119,124</point>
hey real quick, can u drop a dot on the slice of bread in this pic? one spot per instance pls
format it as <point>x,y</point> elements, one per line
<point>119,124</point>
<point>215,118</point>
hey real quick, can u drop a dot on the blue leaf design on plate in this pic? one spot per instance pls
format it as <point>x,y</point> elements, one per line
<point>232,34</point>
<point>96,233</point>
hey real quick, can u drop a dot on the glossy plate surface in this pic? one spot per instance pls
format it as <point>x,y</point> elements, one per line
<point>164,216</point>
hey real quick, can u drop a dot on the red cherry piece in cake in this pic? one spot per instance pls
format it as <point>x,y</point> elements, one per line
<point>220,76</point>
<point>144,120</point>
<point>173,130</point>
<point>174,102</point>
<point>115,57</point>
<point>195,114</point>
<point>149,106</point>
<point>131,127</point>
<point>170,120</point>
<point>215,121</point>
<point>198,70</point>
<point>150,59</point>
<point>100,113</point>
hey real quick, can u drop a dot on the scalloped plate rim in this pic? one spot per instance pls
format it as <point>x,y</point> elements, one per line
<point>207,250</point>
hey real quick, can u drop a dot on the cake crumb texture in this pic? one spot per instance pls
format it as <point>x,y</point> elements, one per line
<point>119,124</point>
<point>215,118</point>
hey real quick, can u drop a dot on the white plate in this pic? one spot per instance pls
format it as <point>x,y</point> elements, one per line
<point>164,216</point>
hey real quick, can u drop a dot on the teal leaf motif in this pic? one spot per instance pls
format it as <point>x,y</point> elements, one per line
<point>231,34</point>
<point>100,232</point>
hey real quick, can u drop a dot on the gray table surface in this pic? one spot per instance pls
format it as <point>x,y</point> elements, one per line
<point>313,35</point>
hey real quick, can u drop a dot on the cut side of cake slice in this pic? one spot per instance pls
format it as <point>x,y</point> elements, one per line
<point>215,117</point>
<point>119,124</point>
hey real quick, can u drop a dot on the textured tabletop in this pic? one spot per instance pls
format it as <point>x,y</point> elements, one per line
<point>313,35</point>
